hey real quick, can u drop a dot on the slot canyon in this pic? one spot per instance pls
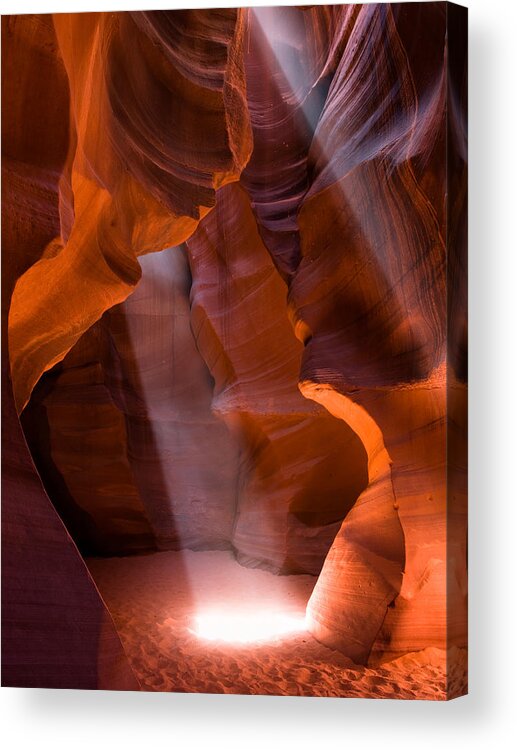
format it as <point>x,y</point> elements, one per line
<point>234,321</point>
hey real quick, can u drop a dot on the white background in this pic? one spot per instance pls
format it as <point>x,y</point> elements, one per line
<point>78,719</point>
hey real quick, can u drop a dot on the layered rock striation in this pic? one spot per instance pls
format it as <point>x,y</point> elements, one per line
<point>56,630</point>
<point>239,318</point>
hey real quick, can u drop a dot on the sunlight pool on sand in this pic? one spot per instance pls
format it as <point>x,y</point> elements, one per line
<point>246,627</point>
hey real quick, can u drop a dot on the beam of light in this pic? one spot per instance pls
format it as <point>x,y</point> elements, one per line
<point>278,33</point>
<point>247,627</point>
<point>281,35</point>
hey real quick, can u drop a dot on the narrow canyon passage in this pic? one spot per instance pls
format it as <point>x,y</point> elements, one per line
<point>156,600</point>
<point>230,273</point>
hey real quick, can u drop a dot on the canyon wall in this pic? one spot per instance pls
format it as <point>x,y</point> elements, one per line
<point>56,630</point>
<point>244,324</point>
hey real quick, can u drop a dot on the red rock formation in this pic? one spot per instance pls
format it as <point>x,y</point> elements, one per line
<point>301,471</point>
<point>299,48</point>
<point>126,188</point>
<point>182,457</point>
<point>376,331</point>
<point>56,630</point>
<point>291,382</point>
<point>276,488</point>
<point>79,442</point>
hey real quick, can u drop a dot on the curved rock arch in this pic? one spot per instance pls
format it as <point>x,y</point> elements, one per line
<point>362,573</point>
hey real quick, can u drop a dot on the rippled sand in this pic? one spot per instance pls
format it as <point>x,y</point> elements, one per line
<point>155,599</point>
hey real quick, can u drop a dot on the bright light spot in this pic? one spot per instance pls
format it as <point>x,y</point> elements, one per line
<point>240,627</point>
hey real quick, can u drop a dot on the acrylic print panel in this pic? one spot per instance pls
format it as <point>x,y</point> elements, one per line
<point>234,370</point>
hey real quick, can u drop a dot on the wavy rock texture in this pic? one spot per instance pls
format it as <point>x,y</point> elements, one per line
<point>144,434</point>
<point>183,459</point>
<point>286,377</point>
<point>131,433</point>
<point>127,188</point>
<point>378,327</point>
<point>292,493</point>
<point>56,630</point>
<point>78,440</point>
<point>299,49</point>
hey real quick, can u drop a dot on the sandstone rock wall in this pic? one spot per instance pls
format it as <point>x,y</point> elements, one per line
<point>56,630</point>
<point>289,376</point>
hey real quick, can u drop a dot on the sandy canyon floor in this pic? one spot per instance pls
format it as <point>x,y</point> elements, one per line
<point>156,599</point>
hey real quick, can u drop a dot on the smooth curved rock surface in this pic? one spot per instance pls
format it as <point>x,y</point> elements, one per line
<point>183,459</point>
<point>143,460</point>
<point>301,470</point>
<point>56,630</point>
<point>78,439</point>
<point>120,194</point>
<point>132,436</point>
<point>309,167</point>
<point>376,331</point>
